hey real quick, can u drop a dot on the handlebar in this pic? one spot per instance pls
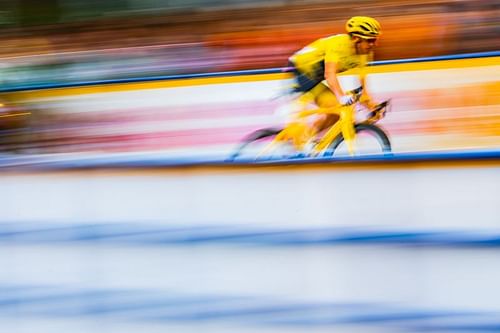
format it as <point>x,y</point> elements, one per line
<point>356,91</point>
<point>378,112</point>
<point>381,106</point>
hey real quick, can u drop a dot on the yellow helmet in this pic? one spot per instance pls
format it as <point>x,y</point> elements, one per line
<point>363,26</point>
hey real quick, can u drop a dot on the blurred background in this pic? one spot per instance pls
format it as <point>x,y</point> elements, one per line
<point>73,40</point>
<point>68,43</point>
<point>114,217</point>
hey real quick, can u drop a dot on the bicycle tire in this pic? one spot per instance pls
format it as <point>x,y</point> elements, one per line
<point>374,130</point>
<point>253,137</point>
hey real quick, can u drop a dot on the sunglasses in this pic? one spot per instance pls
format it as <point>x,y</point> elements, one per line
<point>371,40</point>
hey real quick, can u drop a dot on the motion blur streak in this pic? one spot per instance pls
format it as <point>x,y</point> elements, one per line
<point>122,214</point>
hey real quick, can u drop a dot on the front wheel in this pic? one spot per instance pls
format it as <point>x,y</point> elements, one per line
<point>370,140</point>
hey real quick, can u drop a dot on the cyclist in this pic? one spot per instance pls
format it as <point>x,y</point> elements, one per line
<point>324,59</point>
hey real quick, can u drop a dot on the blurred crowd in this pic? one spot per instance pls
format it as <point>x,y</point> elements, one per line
<point>230,35</point>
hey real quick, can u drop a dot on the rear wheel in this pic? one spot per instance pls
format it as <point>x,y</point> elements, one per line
<point>254,147</point>
<point>370,140</point>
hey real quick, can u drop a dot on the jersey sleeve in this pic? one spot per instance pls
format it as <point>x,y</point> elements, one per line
<point>333,52</point>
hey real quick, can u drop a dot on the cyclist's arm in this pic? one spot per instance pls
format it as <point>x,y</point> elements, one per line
<point>331,69</point>
<point>366,98</point>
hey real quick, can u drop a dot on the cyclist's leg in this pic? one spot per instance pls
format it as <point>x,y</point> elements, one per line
<point>315,92</point>
<point>304,84</point>
<point>298,129</point>
<point>307,140</point>
<point>328,100</point>
<point>325,99</point>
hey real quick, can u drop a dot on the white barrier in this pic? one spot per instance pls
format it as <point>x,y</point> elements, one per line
<point>162,260</point>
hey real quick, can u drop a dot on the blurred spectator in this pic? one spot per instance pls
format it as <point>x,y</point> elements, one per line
<point>124,39</point>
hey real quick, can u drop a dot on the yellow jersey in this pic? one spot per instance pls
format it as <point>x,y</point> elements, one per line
<point>340,49</point>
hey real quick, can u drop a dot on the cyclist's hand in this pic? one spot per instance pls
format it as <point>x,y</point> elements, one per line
<point>347,100</point>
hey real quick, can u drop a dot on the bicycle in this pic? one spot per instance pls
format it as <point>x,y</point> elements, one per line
<point>346,137</point>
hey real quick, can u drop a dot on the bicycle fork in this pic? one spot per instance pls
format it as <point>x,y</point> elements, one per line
<point>347,127</point>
